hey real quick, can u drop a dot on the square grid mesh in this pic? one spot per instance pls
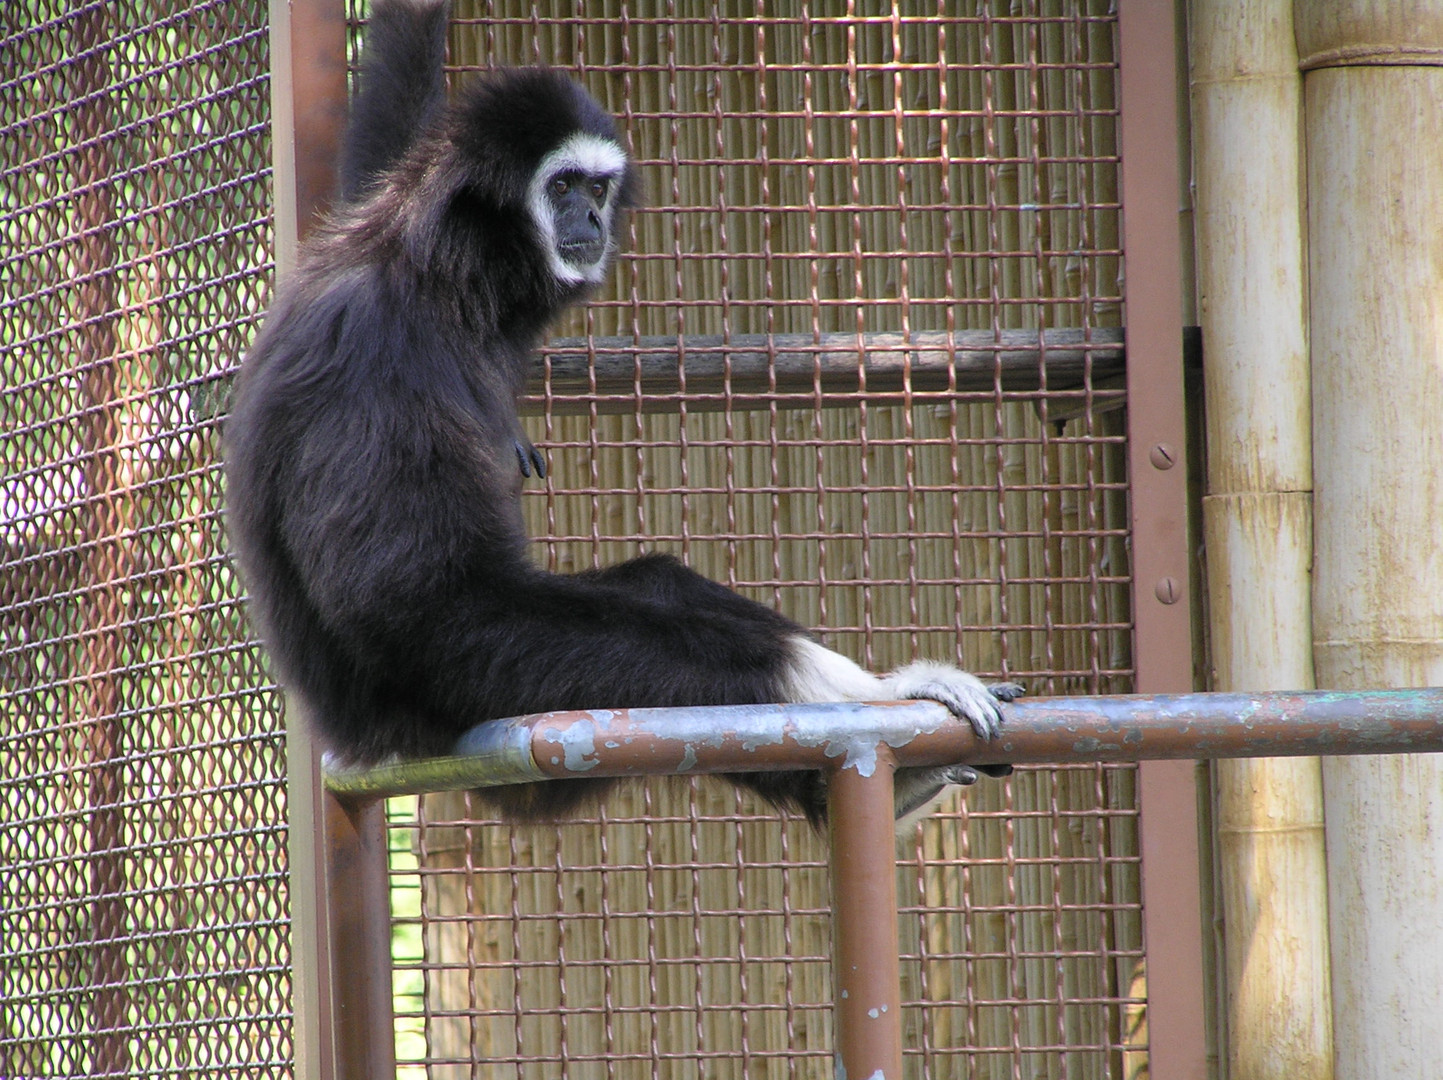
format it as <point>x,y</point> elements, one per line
<point>802,378</point>
<point>143,892</point>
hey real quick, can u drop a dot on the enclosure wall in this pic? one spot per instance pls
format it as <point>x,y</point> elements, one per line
<point>828,370</point>
<point>860,359</point>
<point>144,925</point>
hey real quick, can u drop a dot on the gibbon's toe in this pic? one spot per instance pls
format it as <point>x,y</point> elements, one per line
<point>961,775</point>
<point>1006,691</point>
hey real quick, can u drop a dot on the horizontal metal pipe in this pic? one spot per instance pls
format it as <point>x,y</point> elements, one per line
<point>757,367</point>
<point>747,738</point>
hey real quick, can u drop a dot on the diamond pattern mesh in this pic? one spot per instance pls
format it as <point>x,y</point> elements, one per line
<point>143,909</point>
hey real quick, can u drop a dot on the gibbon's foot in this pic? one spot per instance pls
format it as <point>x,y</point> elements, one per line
<point>916,790</point>
<point>528,457</point>
<point>965,695</point>
<point>960,775</point>
<point>968,697</point>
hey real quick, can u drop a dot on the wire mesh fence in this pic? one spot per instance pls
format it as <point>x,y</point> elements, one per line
<point>859,360</point>
<point>686,932</point>
<point>143,909</point>
<point>835,369</point>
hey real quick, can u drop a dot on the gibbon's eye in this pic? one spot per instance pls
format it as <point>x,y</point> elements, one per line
<point>598,190</point>
<point>560,186</point>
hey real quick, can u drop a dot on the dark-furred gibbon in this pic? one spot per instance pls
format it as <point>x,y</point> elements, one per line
<point>374,457</point>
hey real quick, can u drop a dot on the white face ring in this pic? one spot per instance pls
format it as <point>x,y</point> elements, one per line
<point>589,155</point>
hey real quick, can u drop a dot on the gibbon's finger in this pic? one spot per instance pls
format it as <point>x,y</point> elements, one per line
<point>1006,691</point>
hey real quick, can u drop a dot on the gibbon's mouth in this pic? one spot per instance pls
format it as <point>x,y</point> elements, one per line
<point>584,253</point>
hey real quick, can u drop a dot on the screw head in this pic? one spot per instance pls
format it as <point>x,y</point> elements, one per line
<point>1162,456</point>
<point>1168,591</point>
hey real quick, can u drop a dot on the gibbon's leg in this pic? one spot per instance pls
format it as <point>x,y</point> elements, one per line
<point>374,455</point>
<point>651,632</point>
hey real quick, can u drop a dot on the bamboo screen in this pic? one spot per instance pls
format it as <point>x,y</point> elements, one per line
<point>773,386</point>
<point>143,897</point>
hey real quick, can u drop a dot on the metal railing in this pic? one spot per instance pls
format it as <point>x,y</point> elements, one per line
<point>858,745</point>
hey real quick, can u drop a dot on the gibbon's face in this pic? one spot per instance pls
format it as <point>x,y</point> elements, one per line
<point>572,202</point>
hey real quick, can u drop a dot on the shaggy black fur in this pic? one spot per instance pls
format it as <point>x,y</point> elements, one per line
<point>373,482</point>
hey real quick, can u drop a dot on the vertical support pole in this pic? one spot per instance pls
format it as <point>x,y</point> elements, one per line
<point>1163,653</point>
<point>359,917</point>
<point>310,917</point>
<point>866,969</point>
<point>341,919</point>
<point>308,115</point>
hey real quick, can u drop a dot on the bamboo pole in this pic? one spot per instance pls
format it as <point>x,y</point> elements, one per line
<point>1373,111</point>
<point>1257,519</point>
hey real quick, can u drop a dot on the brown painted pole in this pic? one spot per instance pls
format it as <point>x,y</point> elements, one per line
<point>359,917</point>
<point>1162,641</point>
<point>860,745</point>
<point>337,853</point>
<point>866,970</point>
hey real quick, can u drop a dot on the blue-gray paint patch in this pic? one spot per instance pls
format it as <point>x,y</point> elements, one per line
<point>577,742</point>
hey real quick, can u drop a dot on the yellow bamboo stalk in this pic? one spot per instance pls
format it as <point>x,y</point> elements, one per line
<point>1373,110</point>
<point>1246,94</point>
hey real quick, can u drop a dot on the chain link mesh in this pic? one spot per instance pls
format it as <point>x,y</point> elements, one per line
<point>143,911</point>
<point>799,380</point>
<point>848,197</point>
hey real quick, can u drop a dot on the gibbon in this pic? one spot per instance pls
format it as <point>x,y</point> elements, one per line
<point>374,456</point>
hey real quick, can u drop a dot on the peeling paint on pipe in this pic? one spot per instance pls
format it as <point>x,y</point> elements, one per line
<point>637,742</point>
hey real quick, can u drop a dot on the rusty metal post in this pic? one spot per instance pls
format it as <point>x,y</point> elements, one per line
<point>1162,588</point>
<point>359,916</point>
<point>860,745</point>
<point>866,969</point>
<point>340,906</point>
<point>836,735</point>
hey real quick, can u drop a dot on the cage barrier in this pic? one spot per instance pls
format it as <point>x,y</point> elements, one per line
<point>858,745</point>
<point>886,253</point>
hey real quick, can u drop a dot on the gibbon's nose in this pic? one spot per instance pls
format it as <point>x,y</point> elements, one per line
<point>594,220</point>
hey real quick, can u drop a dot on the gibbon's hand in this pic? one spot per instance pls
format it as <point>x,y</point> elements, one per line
<point>527,456</point>
<point>966,696</point>
<point>1008,691</point>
